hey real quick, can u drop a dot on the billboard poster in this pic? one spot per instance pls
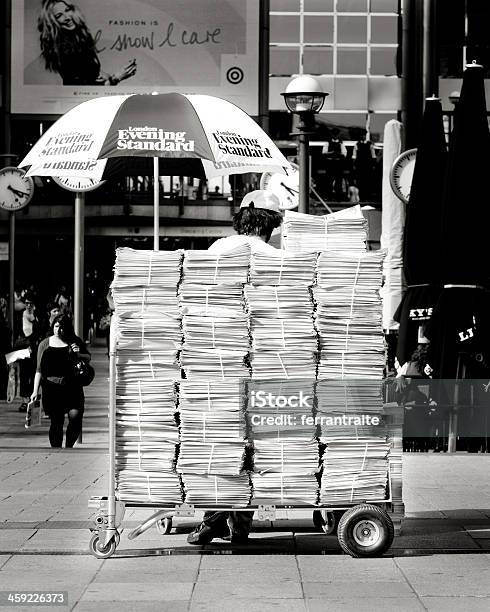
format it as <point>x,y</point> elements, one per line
<point>64,53</point>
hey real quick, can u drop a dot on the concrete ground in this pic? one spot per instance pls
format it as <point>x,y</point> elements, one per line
<point>441,561</point>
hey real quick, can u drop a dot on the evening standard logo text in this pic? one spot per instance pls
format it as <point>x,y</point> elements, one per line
<point>232,143</point>
<point>153,139</point>
<point>68,142</point>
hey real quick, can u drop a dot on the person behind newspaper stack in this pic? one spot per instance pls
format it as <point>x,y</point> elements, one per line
<point>254,223</point>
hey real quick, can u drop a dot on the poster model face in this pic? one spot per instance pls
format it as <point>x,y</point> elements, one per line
<point>64,53</point>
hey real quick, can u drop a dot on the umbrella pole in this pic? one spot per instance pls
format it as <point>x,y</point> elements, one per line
<point>156,206</point>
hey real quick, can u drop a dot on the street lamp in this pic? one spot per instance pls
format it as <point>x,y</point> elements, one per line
<point>304,97</point>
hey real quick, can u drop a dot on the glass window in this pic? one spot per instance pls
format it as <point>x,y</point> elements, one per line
<point>383,61</point>
<point>384,30</point>
<point>319,5</point>
<point>352,29</point>
<point>351,61</point>
<point>284,61</point>
<point>284,28</point>
<point>351,6</point>
<point>383,6</point>
<point>284,5</point>
<point>318,60</point>
<point>318,29</point>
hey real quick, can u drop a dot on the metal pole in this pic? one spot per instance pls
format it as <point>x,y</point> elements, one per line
<point>78,268</point>
<point>156,206</point>
<point>304,167</point>
<point>11,273</point>
<point>264,25</point>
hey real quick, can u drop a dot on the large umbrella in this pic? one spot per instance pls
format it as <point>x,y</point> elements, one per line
<point>460,327</point>
<point>186,135</point>
<point>422,234</point>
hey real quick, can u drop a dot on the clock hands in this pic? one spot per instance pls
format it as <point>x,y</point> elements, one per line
<point>17,192</point>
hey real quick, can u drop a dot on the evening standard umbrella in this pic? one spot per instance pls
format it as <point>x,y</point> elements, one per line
<point>421,241</point>
<point>186,135</point>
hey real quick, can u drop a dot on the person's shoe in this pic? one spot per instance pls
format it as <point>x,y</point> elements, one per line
<point>23,407</point>
<point>203,534</point>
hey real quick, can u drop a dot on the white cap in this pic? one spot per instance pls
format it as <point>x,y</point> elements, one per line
<point>261,199</point>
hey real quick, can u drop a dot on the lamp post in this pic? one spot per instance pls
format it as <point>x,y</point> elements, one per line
<point>304,97</point>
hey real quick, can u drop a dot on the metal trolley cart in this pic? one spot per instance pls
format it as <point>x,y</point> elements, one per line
<point>363,530</point>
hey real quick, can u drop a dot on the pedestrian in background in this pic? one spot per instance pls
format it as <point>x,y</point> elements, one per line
<point>29,339</point>
<point>61,393</point>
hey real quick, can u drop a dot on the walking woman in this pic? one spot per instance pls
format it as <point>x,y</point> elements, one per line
<point>62,395</point>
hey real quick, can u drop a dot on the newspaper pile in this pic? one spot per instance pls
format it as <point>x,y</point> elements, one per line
<point>214,358</point>
<point>148,338</point>
<point>284,339</point>
<point>355,471</point>
<point>348,315</point>
<point>345,229</point>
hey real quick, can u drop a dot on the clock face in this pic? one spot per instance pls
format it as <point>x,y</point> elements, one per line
<point>74,183</point>
<point>286,188</point>
<point>402,173</point>
<point>16,189</point>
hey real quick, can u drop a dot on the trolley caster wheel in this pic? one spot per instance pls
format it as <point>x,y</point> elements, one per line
<point>117,538</point>
<point>164,526</point>
<point>325,520</point>
<point>99,551</point>
<point>365,531</point>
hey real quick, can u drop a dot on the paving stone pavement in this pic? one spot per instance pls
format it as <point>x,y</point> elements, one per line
<point>441,560</point>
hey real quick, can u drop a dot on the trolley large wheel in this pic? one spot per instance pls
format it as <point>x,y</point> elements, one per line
<point>325,520</point>
<point>100,551</point>
<point>365,531</point>
<point>164,526</point>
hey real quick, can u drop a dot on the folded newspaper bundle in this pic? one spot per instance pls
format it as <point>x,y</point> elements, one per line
<point>211,300</point>
<point>144,268</point>
<point>345,229</point>
<point>205,267</point>
<point>283,268</point>
<point>355,470</point>
<point>150,487</point>
<point>209,490</point>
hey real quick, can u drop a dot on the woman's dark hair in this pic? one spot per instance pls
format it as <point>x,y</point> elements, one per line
<point>419,356</point>
<point>253,221</point>
<point>67,333</point>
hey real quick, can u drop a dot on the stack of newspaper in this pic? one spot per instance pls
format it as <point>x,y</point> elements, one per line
<point>213,300</point>
<point>214,357</point>
<point>283,268</point>
<point>348,315</point>
<point>345,229</point>
<point>209,490</point>
<point>148,338</point>
<point>207,268</point>
<point>355,471</point>
<point>284,340</point>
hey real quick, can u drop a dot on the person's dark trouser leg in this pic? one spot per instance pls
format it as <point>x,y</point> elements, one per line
<point>56,429</point>
<point>217,522</point>
<point>75,418</point>
<point>240,524</point>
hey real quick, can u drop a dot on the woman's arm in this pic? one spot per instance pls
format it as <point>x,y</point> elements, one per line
<point>80,348</point>
<point>37,382</point>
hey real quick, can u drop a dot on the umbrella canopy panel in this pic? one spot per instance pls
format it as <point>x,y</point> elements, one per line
<point>422,234</point>
<point>466,202</point>
<point>179,127</point>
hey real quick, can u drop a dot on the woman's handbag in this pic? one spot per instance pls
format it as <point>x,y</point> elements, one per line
<point>82,372</point>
